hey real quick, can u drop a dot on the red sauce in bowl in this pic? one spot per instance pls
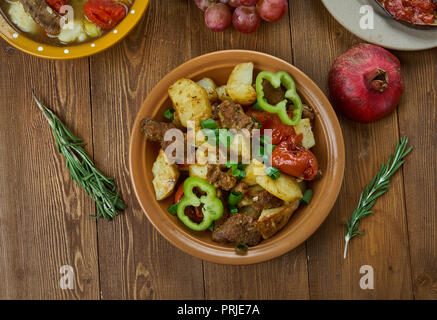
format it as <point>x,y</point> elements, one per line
<point>413,11</point>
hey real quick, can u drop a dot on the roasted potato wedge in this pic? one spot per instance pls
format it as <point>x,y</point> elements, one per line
<point>304,127</point>
<point>254,169</point>
<point>273,220</point>
<point>239,86</point>
<point>190,101</point>
<point>91,29</point>
<point>223,94</point>
<point>22,19</point>
<point>210,86</point>
<point>285,187</point>
<point>197,170</point>
<point>165,176</point>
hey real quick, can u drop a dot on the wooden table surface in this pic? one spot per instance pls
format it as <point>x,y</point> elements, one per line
<point>44,221</point>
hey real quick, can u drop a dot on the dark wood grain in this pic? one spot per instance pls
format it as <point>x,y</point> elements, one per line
<point>385,245</point>
<point>417,119</point>
<point>135,261</point>
<point>44,221</point>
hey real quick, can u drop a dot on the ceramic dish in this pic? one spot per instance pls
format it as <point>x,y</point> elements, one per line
<point>329,151</point>
<point>387,32</point>
<point>17,39</point>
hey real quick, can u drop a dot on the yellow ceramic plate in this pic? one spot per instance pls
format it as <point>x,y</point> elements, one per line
<point>21,42</point>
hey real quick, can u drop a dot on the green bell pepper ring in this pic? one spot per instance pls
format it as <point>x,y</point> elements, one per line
<point>212,206</point>
<point>276,80</point>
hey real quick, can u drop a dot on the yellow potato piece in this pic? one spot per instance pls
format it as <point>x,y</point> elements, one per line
<point>200,171</point>
<point>209,85</point>
<point>190,101</point>
<point>91,29</point>
<point>165,176</point>
<point>304,127</point>
<point>223,94</point>
<point>253,170</point>
<point>239,86</point>
<point>22,19</point>
<point>273,220</point>
<point>285,187</point>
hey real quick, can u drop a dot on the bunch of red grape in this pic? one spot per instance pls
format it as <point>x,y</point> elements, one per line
<point>244,15</point>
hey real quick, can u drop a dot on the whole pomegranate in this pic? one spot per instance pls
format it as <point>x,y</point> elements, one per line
<point>365,83</point>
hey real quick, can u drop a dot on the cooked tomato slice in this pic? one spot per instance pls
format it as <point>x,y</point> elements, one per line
<point>56,4</point>
<point>293,159</point>
<point>105,13</point>
<point>179,193</point>
<point>280,130</point>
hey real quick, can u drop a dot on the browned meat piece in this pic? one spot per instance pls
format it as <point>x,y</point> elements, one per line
<point>307,112</point>
<point>221,177</point>
<point>215,110</point>
<point>273,95</point>
<point>232,116</point>
<point>242,187</point>
<point>238,228</point>
<point>195,214</point>
<point>43,15</point>
<point>155,131</point>
<point>264,200</point>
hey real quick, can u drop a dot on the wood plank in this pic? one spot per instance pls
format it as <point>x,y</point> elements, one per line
<point>417,121</point>
<point>267,280</point>
<point>44,221</point>
<point>135,261</point>
<point>385,244</point>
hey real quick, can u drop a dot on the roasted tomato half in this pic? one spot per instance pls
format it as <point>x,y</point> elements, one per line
<point>280,130</point>
<point>105,13</point>
<point>56,4</point>
<point>293,159</point>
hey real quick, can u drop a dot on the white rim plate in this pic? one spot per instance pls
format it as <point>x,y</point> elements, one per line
<point>387,32</point>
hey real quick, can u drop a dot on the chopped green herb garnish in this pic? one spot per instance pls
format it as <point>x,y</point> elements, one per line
<point>261,139</point>
<point>234,198</point>
<point>237,169</point>
<point>211,227</point>
<point>307,196</point>
<point>241,247</point>
<point>209,124</point>
<point>169,114</point>
<point>173,209</point>
<point>256,121</point>
<point>256,106</point>
<point>236,172</point>
<point>272,172</point>
<point>229,164</point>
<point>234,210</point>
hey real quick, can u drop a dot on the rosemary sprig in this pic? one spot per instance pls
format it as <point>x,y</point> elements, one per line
<point>82,169</point>
<point>376,188</point>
